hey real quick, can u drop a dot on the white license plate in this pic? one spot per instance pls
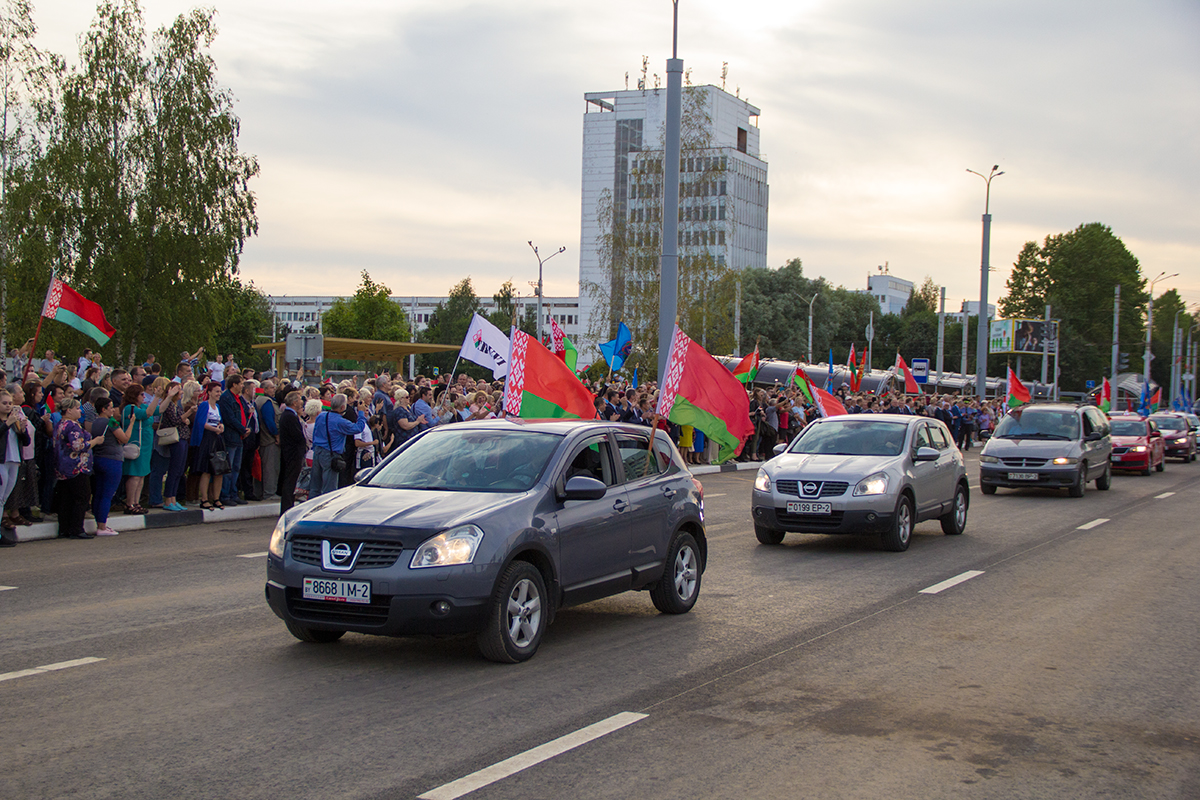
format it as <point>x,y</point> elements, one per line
<point>337,591</point>
<point>1118,458</point>
<point>802,507</point>
<point>1022,476</point>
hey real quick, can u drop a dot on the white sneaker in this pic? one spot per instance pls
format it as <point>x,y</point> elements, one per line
<point>105,532</point>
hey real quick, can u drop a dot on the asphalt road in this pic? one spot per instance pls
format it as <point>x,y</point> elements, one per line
<point>1067,668</point>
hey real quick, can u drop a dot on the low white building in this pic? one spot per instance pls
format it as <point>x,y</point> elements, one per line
<point>891,292</point>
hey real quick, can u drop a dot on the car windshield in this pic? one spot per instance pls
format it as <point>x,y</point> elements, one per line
<point>1128,427</point>
<point>455,460</point>
<point>1034,423</point>
<point>1171,423</point>
<point>851,437</point>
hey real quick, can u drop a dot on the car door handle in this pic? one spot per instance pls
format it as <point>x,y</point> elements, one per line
<point>668,491</point>
<point>619,506</point>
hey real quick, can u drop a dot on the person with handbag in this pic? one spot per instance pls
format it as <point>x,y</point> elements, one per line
<point>14,435</point>
<point>211,462</point>
<point>329,443</point>
<point>108,460</point>
<point>135,405</point>
<point>73,468</point>
<point>170,446</point>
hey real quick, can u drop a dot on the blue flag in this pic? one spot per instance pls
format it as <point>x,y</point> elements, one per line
<point>1144,407</point>
<point>634,378</point>
<point>616,351</point>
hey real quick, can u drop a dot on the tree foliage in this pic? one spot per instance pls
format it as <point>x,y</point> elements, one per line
<point>1076,273</point>
<point>448,324</point>
<point>369,314</point>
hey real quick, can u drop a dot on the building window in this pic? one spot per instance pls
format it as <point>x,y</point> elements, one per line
<point>722,189</point>
<point>720,237</point>
<point>741,140</point>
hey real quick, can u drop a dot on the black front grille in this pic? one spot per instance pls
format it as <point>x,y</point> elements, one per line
<point>788,521</point>
<point>374,554</point>
<point>1117,451</point>
<point>373,613</point>
<point>1024,462</point>
<point>827,488</point>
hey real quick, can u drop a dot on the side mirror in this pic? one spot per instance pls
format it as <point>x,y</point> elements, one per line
<point>780,448</point>
<point>363,474</point>
<point>583,487</point>
<point>926,454</point>
<point>1094,436</point>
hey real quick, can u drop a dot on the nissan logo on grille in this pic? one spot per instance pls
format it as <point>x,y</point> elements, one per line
<point>811,488</point>
<point>340,553</point>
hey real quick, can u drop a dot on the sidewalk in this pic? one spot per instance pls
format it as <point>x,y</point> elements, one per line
<point>157,518</point>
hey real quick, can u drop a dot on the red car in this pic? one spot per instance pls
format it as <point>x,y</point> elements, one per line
<point>1137,444</point>
<point>1178,434</point>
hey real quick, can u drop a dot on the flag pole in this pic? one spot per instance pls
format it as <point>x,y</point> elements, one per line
<point>38,332</point>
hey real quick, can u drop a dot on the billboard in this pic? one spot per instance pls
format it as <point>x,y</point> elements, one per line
<point>1018,336</point>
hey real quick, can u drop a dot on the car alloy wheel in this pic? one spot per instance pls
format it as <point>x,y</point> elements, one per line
<point>896,539</point>
<point>955,522</point>
<point>524,613</point>
<point>517,618</point>
<point>679,586</point>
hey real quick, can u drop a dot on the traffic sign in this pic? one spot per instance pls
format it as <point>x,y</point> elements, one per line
<point>1090,384</point>
<point>920,370</point>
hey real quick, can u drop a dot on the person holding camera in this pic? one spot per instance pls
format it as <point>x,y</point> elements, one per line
<point>329,443</point>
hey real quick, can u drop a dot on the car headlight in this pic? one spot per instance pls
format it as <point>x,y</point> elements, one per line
<point>455,546</point>
<point>1065,460</point>
<point>278,537</point>
<point>872,484</point>
<point>762,481</point>
<point>988,460</point>
<point>1141,448</point>
<point>1181,441</point>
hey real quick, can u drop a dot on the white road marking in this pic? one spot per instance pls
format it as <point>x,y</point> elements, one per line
<point>253,555</point>
<point>1096,523</point>
<point>6,588</point>
<point>707,496</point>
<point>79,662</point>
<point>1163,496</point>
<point>955,581</point>
<point>530,758</point>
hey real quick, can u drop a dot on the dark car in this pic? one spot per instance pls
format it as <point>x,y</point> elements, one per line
<point>1051,446</point>
<point>490,527</point>
<point>1178,435</point>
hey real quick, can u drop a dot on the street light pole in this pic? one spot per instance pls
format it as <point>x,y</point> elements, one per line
<point>981,344</point>
<point>668,264</point>
<point>810,312</point>
<point>1149,330</point>
<point>540,293</point>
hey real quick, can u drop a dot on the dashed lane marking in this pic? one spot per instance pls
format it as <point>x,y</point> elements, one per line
<point>253,555</point>
<point>6,588</point>
<point>1096,523</point>
<point>530,758</point>
<point>21,673</point>
<point>1163,496</point>
<point>707,496</point>
<point>955,581</point>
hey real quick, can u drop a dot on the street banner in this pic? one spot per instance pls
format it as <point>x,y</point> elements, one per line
<point>487,346</point>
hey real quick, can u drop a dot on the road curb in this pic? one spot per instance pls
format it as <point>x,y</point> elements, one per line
<point>709,469</point>
<point>158,519</point>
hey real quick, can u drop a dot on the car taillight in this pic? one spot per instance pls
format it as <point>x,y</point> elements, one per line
<point>699,487</point>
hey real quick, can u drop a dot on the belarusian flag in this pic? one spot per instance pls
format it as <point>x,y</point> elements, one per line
<point>1106,396</point>
<point>826,404</point>
<point>853,367</point>
<point>540,386</point>
<point>862,371</point>
<point>71,308</point>
<point>700,392</point>
<point>562,346</point>
<point>747,368</point>
<point>1156,400</point>
<point>1018,395</point>
<point>910,383</point>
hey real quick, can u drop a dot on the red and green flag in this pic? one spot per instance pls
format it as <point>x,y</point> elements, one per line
<point>826,404</point>
<point>804,385</point>
<point>852,365</point>
<point>540,385</point>
<point>69,307</point>
<point>1018,395</point>
<point>1105,396</point>
<point>1156,400</point>
<point>910,383</point>
<point>563,348</point>
<point>699,391</point>
<point>747,368</point>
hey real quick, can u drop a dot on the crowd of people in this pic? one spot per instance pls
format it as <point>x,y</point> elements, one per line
<point>81,439</point>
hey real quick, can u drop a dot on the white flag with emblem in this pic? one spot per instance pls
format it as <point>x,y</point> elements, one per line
<point>487,346</point>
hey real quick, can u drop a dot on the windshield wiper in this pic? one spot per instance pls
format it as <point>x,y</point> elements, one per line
<point>1041,435</point>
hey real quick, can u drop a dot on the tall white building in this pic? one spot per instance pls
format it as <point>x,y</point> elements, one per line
<point>723,186</point>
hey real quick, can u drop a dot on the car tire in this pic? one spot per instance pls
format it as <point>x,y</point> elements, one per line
<point>1161,465</point>
<point>1105,481</point>
<point>955,521</point>
<point>517,617</point>
<point>313,635</point>
<point>679,587</point>
<point>767,535</point>
<point>1080,486</point>
<point>897,537</point>
<point>987,489</point>
<point>1147,470</point>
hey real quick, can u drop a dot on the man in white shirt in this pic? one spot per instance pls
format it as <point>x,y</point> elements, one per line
<point>47,364</point>
<point>216,369</point>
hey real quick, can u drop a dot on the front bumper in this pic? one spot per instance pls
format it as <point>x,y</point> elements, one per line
<point>852,515</point>
<point>1179,450</point>
<point>1140,461</point>
<point>1047,477</point>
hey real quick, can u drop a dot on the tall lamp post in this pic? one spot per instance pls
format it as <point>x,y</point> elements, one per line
<point>1150,328</point>
<point>540,293</point>
<point>981,343</point>
<point>810,304</point>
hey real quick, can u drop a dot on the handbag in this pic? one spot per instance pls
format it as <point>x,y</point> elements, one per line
<point>131,451</point>
<point>338,462</point>
<point>168,435</point>
<point>218,462</point>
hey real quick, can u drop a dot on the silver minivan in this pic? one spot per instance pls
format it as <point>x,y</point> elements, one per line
<point>1053,446</point>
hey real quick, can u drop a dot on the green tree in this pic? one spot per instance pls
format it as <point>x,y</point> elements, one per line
<point>1168,308</point>
<point>925,298</point>
<point>448,324</point>
<point>369,314</point>
<point>245,313</point>
<point>1075,273</point>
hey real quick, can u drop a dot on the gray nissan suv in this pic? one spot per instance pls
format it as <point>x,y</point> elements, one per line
<point>1054,446</point>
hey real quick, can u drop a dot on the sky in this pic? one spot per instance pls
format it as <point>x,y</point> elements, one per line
<point>428,140</point>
